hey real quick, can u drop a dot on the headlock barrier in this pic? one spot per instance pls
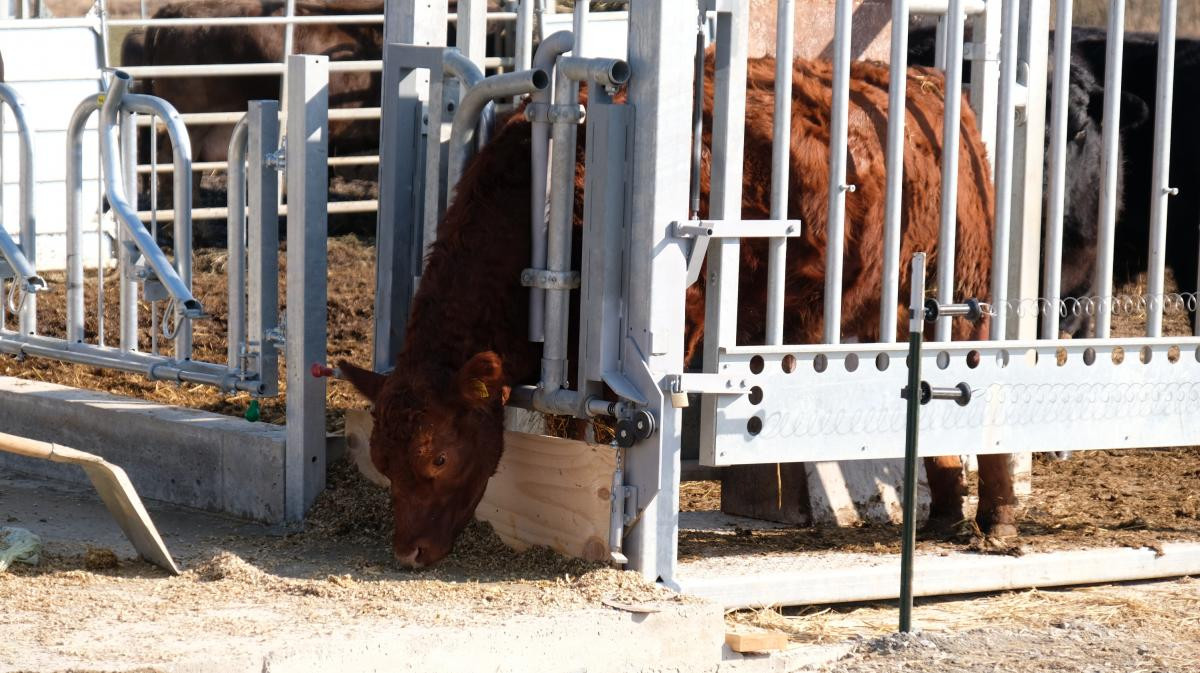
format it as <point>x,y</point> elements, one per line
<point>836,398</point>
<point>645,242</point>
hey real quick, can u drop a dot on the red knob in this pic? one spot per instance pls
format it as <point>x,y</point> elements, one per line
<point>319,370</point>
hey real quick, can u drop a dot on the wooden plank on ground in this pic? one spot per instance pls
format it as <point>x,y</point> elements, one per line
<point>552,492</point>
<point>757,641</point>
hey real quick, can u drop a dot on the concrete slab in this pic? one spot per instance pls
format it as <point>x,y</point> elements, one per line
<point>173,454</point>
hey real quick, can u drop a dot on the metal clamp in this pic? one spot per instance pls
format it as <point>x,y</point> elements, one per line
<point>970,309</point>
<point>960,393</point>
<point>550,280</point>
<point>553,114</point>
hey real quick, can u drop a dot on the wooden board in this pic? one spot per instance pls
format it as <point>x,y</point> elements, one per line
<point>358,445</point>
<point>759,641</point>
<point>552,492</point>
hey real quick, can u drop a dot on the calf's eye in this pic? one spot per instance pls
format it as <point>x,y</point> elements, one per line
<point>440,460</point>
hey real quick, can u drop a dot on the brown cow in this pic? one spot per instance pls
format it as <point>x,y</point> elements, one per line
<point>439,416</point>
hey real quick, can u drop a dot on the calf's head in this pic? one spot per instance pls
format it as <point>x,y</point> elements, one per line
<point>437,437</point>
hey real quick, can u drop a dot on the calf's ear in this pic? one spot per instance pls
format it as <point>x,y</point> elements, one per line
<point>481,380</point>
<point>366,381</point>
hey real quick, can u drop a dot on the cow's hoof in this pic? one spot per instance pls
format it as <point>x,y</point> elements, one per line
<point>944,527</point>
<point>998,523</point>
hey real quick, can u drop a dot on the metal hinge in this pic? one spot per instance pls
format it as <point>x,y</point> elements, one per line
<point>545,112</point>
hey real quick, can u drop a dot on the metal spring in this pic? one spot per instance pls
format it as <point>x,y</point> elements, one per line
<point>1128,305</point>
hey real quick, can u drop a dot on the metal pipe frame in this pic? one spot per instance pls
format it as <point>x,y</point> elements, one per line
<point>470,110</point>
<point>459,65</point>
<point>181,150</point>
<point>781,154</point>
<point>262,243</point>
<point>835,238</point>
<point>1160,189</point>
<point>604,72</point>
<point>74,213</point>
<point>23,258</point>
<point>154,367</point>
<point>1114,65</point>
<point>545,59</point>
<point>951,129</point>
<point>1004,168</point>
<point>235,236</point>
<point>893,213</point>
<point>1052,252</point>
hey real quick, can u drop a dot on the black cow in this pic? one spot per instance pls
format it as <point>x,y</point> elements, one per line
<point>1183,211</point>
<point>1081,212</point>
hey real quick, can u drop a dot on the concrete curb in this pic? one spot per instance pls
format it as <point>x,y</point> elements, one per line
<point>176,455</point>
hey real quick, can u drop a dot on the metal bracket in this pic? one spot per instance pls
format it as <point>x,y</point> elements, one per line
<point>550,280</point>
<point>712,384</point>
<point>703,230</point>
<point>546,112</point>
<point>278,158</point>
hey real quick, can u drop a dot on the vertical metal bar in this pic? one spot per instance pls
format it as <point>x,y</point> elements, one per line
<point>1004,169</point>
<point>781,154</point>
<point>100,256</point>
<point>840,111</point>
<point>289,41</point>
<point>128,254</point>
<point>985,74</point>
<point>912,428</point>
<point>1056,197</point>
<point>471,32</point>
<point>26,209</point>
<point>262,247</point>
<point>697,117</point>
<point>74,213</point>
<point>939,44</point>
<point>398,228</point>
<point>579,27</point>
<point>1160,189</point>
<point>1113,66</point>
<point>893,213</point>
<point>660,92</point>
<point>524,46</point>
<point>153,181</point>
<point>725,203</point>
<point>950,151</point>
<point>235,247</point>
<point>436,158</point>
<point>307,185</point>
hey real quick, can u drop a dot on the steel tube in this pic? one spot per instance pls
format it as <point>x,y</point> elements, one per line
<point>1160,189</point>
<point>1058,170</point>
<point>209,166</point>
<point>1005,131</point>
<point>579,23</point>
<point>181,151</point>
<point>908,540</point>
<point>1113,66</point>
<point>781,154</point>
<point>235,235</point>
<point>74,214</point>
<point>127,257</point>
<point>23,258</point>
<point>470,110</point>
<point>220,213</point>
<point>524,57</point>
<point>836,237</point>
<point>457,64</point>
<point>894,203</point>
<point>605,72</point>
<point>231,118</point>
<point>115,189</point>
<point>545,59</point>
<point>157,368</point>
<point>935,7</point>
<point>950,151</point>
<point>697,118</point>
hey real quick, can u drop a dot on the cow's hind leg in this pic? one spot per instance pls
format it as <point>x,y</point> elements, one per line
<point>997,515</point>
<point>946,490</point>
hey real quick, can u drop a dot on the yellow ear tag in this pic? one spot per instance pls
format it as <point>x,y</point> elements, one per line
<point>481,389</point>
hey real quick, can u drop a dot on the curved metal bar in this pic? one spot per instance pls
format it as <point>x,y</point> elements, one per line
<point>126,213</point>
<point>547,55</point>
<point>455,64</point>
<point>235,236</point>
<point>23,257</point>
<point>470,109</point>
<point>74,180</point>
